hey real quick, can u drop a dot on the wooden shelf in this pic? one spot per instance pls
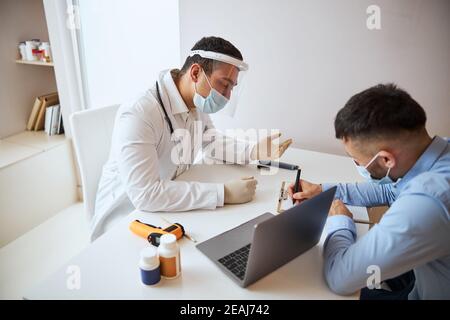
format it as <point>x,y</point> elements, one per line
<point>36,63</point>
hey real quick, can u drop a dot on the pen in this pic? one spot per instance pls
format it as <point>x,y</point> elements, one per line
<point>297,186</point>
<point>281,165</point>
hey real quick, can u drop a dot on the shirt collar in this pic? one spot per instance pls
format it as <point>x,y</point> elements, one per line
<point>425,161</point>
<point>177,105</point>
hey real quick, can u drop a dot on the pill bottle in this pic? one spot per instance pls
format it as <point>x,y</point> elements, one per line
<point>45,47</point>
<point>149,266</point>
<point>169,256</point>
<point>29,47</point>
<point>23,51</point>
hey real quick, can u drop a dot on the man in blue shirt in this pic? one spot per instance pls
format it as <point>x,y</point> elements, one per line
<point>383,130</point>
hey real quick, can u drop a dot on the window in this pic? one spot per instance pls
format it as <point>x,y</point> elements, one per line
<point>124,44</point>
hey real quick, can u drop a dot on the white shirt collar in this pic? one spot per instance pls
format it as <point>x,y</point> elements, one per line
<point>177,105</point>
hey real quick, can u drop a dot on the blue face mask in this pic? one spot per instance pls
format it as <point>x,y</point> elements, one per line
<point>213,103</point>
<point>362,170</point>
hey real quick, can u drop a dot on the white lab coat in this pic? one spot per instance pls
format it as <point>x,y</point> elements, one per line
<point>139,172</point>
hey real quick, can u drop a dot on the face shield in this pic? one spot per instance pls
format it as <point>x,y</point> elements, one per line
<point>227,78</point>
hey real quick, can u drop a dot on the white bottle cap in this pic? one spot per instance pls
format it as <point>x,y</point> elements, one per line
<point>149,256</point>
<point>168,240</point>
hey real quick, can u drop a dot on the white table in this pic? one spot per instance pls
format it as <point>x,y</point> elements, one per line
<point>109,266</point>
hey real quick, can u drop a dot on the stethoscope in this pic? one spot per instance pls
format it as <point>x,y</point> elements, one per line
<point>158,94</point>
<point>163,108</point>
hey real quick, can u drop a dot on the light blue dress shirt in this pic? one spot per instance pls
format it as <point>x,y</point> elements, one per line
<point>414,234</point>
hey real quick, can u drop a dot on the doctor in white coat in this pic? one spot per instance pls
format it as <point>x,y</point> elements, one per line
<point>154,140</point>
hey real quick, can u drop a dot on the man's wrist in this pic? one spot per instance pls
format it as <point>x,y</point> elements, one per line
<point>341,214</point>
<point>340,222</point>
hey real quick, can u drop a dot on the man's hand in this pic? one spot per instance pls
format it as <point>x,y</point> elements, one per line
<point>266,149</point>
<point>339,208</point>
<point>309,190</point>
<point>240,191</point>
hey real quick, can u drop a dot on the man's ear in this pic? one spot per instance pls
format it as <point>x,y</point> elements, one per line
<point>195,72</point>
<point>387,158</point>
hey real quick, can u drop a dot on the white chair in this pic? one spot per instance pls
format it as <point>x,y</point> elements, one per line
<point>91,135</point>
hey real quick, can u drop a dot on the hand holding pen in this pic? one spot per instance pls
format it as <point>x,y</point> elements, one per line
<point>304,190</point>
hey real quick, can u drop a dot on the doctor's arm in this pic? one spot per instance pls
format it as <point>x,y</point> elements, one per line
<point>218,146</point>
<point>139,171</point>
<point>241,151</point>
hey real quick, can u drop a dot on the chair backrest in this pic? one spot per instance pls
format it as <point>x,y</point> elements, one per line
<point>91,135</point>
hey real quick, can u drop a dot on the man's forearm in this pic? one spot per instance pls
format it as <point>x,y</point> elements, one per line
<point>363,193</point>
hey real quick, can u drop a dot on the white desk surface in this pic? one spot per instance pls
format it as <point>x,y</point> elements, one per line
<point>109,266</point>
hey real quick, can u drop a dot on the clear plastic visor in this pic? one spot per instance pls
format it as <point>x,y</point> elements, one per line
<point>227,77</point>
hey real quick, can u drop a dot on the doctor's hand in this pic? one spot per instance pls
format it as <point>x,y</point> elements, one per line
<point>339,208</point>
<point>309,190</point>
<point>240,191</point>
<point>266,149</point>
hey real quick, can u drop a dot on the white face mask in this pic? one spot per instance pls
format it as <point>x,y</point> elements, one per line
<point>213,103</point>
<point>362,170</point>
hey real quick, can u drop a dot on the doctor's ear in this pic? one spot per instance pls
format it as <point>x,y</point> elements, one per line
<point>195,72</point>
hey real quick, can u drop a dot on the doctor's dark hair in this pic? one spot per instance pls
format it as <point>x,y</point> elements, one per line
<point>215,44</point>
<point>379,112</point>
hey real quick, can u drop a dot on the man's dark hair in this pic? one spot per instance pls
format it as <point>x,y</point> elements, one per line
<point>215,44</point>
<point>380,111</point>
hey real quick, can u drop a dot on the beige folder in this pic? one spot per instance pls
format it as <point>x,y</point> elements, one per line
<point>47,101</point>
<point>34,113</point>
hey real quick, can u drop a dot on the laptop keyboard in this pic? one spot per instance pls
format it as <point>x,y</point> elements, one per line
<point>236,261</point>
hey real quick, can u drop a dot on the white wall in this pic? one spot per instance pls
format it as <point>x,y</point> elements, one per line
<point>308,57</point>
<point>126,44</point>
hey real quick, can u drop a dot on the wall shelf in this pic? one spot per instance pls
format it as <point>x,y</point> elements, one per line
<point>36,63</point>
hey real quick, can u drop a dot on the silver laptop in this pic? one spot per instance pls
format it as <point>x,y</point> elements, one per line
<point>259,246</point>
